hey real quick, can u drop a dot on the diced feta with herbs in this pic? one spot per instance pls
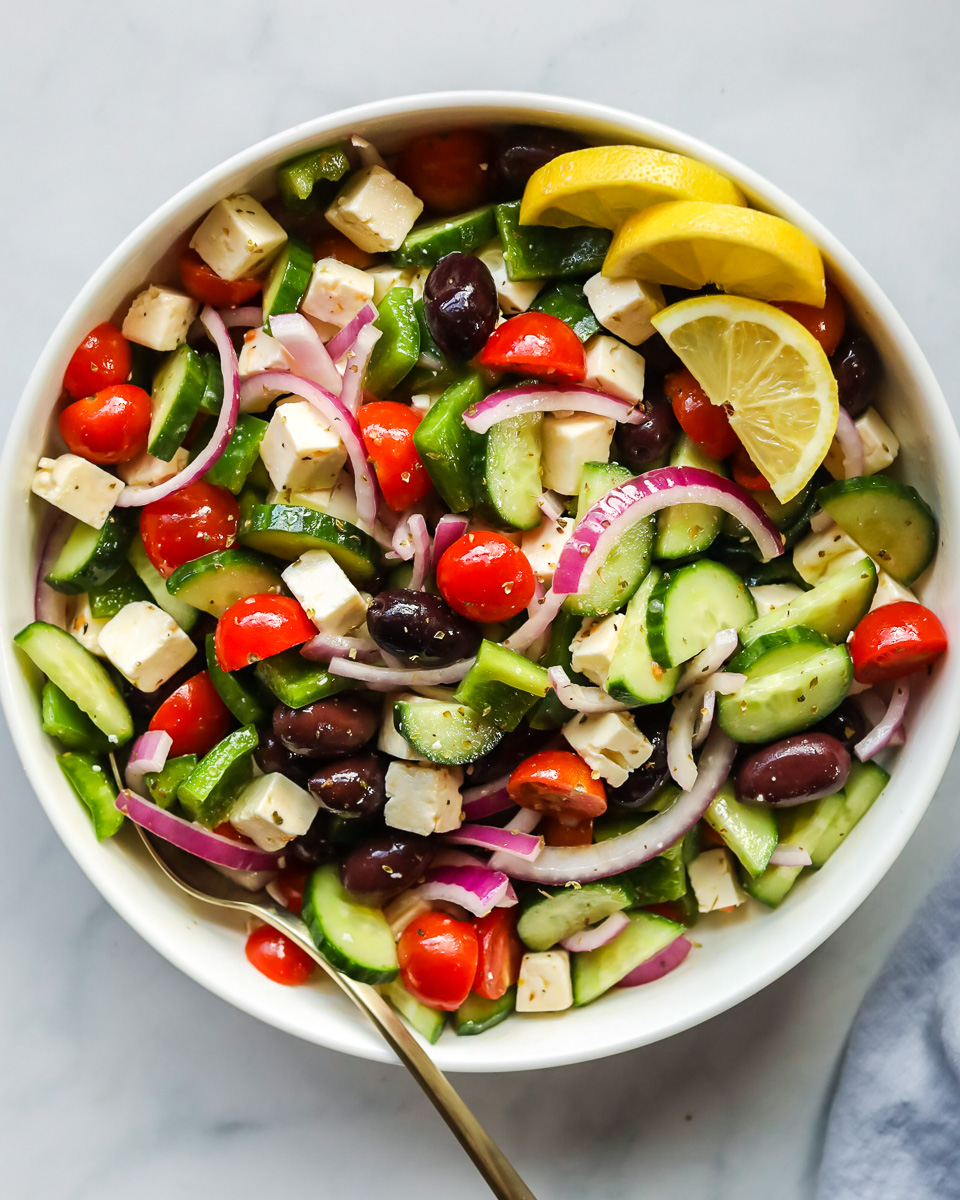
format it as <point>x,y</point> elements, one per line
<point>423,799</point>
<point>238,237</point>
<point>513,295</point>
<point>542,545</point>
<point>160,318</point>
<point>609,743</point>
<point>337,292</point>
<point>614,368</point>
<point>594,645</point>
<point>325,593</point>
<point>375,210</point>
<point>77,487</point>
<point>544,983</point>
<point>261,352</point>
<point>272,810</point>
<point>300,449</point>
<point>386,277</point>
<point>84,626</point>
<point>713,878</point>
<point>143,470</point>
<point>625,306</point>
<point>880,446</point>
<point>821,553</point>
<point>146,645</point>
<point>567,442</point>
<point>390,740</point>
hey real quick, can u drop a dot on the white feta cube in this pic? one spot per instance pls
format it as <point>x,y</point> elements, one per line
<point>402,910</point>
<point>542,545</point>
<point>336,292</point>
<point>342,501</point>
<point>769,596</point>
<point>386,277</point>
<point>594,645</point>
<point>423,798</point>
<point>625,306</point>
<point>272,810</point>
<point>160,318</point>
<point>84,626</point>
<point>880,446</point>
<point>390,740</point>
<point>821,553</point>
<point>569,441</point>
<point>713,878</point>
<point>325,593</point>
<point>300,449</point>
<point>889,591</point>
<point>143,470</point>
<point>544,984</point>
<point>146,645</point>
<point>261,352</point>
<point>375,210</point>
<point>77,487</point>
<point>609,743</point>
<point>422,402</point>
<point>614,368</point>
<point>513,295</point>
<point>238,237</point>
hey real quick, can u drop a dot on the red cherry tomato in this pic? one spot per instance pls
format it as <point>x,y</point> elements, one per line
<point>746,473</point>
<point>710,835</point>
<point>485,577</point>
<point>537,344</point>
<point>108,427</point>
<point>448,171</point>
<point>194,716</point>
<point>101,359</point>
<point>558,782</point>
<point>704,423</point>
<point>896,640</point>
<point>333,244</point>
<point>277,957</point>
<point>259,627</point>
<point>197,520</point>
<point>498,964</point>
<point>289,886</point>
<point>438,960</point>
<point>826,324</point>
<point>205,285</point>
<point>669,909</point>
<point>387,429</point>
<point>558,831</point>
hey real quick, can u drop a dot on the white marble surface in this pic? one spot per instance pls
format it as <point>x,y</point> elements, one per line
<point>123,1078</point>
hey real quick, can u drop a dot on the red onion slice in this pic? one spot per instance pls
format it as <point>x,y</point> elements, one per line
<point>541,398</point>
<point>397,679</point>
<point>848,437</point>
<point>820,521</point>
<point>659,965</point>
<point>537,624</point>
<point>358,358</point>
<point>325,647</point>
<point>720,647</point>
<point>580,698</point>
<point>487,805</point>
<point>401,541</point>
<point>422,556</point>
<point>450,528</point>
<point>485,789</point>
<point>883,732</point>
<point>704,721</point>
<point>305,346</point>
<point>789,856</point>
<point>550,505</point>
<point>241,318</point>
<point>343,341</point>
<point>48,604</point>
<point>475,888</point>
<point>599,935</point>
<point>149,753</point>
<point>489,837</point>
<point>367,153</point>
<point>524,819</point>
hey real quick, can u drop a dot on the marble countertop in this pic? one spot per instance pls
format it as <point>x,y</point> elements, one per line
<point>121,1076</point>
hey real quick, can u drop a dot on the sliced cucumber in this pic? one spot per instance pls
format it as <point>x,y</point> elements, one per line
<point>352,937</point>
<point>888,520</point>
<point>215,581</point>
<point>749,830</point>
<point>801,827</point>
<point>184,614</point>
<point>90,556</point>
<point>477,1014</point>
<point>792,518</point>
<point>422,1019</point>
<point>833,608</point>
<point>663,878</point>
<point>242,702</point>
<point>551,914</point>
<point>287,280</point>
<point>287,531</point>
<point>122,588</point>
<point>295,681</point>
<point>210,790</point>
<point>178,388</point>
<point>502,686</point>
<point>512,470</point>
<point>687,529</point>
<point>864,784</point>
<point>634,677</point>
<point>426,244</point>
<point>596,971</point>
<point>444,731</point>
<point>689,605</point>
<point>65,721</point>
<point>90,778</point>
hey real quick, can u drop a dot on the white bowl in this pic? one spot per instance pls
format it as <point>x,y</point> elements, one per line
<point>741,953</point>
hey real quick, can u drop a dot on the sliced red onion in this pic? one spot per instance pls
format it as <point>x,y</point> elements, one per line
<point>485,789</point>
<point>367,153</point>
<point>477,889</point>
<point>704,721</point>
<point>604,525</point>
<point>726,683</point>
<point>325,647</point>
<point>401,542</point>
<point>135,497</point>
<point>490,837</point>
<point>580,698</point>
<point>422,555</point>
<point>305,346</point>
<point>720,647</point>
<point>789,856</point>
<point>397,679</point>
<point>536,625</point>
<point>357,361</point>
<point>848,437</point>
<point>599,935</point>
<point>429,362</point>
<point>241,318</point>
<point>820,521</point>
<point>487,805</point>
<point>659,965</point>
<point>882,733</point>
<point>524,820</point>
<point>48,604</point>
<point>541,398</point>
<point>450,528</point>
<point>149,753</point>
<point>446,856</point>
<point>550,505</point>
<point>343,341</point>
<point>193,838</point>
<point>683,719</point>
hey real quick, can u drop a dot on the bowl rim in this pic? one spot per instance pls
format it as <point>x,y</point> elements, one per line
<point>547,1050</point>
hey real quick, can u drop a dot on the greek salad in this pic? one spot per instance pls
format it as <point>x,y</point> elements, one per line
<point>494,551</point>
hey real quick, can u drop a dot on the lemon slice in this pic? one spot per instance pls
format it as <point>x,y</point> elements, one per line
<point>603,185</point>
<point>770,374</point>
<point>689,244</point>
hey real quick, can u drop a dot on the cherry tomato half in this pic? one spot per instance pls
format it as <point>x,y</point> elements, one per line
<point>448,171</point>
<point>101,359</point>
<point>500,952</point>
<point>536,344</point>
<point>205,285</point>
<point>289,886</point>
<point>746,473</point>
<point>485,577</point>
<point>705,423</point>
<point>826,324</point>
<point>558,782</point>
<point>896,640</point>
<point>557,831</point>
<point>334,244</point>
<point>194,716</point>
<point>438,959</point>
<point>387,428</point>
<point>277,957</point>
<point>108,427</point>
<point>259,627</point>
<point>197,520</point>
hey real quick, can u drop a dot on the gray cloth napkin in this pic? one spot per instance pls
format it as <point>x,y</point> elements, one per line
<point>894,1126</point>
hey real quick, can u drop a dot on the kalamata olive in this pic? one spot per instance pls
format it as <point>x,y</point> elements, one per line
<point>799,768</point>
<point>510,752</point>
<point>846,723</point>
<point>639,445</point>
<point>857,367</point>
<point>328,729</point>
<point>271,755</point>
<point>658,358</point>
<point>460,304</point>
<point>314,846</point>
<point>352,787</point>
<point>646,780</point>
<point>523,149</point>
<point>420,628</point>
<point>385,865</point>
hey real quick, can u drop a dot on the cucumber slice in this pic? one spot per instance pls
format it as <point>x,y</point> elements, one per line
<point>212,397</point>
<point>178,388</point>
<point>90,556</point>
<point>90,778</point>
<point>477,1014</point>
<point>287,531</point>
<point>502,686</point>
<point>184,614</point>
<point>889,520</point>
<point>287,280</point>
<point>802,826</point>
<point>687,529</point>
<point>549,713</point>
<point>163,785</point>
<point>833,608</point>
<point>551,914</point>
<point>398,347</point>
<point>864,784</point>
<point>749,831</point>
<point>447,448</point>
<point>80,676</point>
<point>536,252</point>
<point>352,937</point>
<point>212,787</point>
<point>757,574</point>
<point>794,679</point>
<point>596,971</point>
<point>422,1019</point>
<point>567,301</point>
<point>445,732</point>
<point>241,701</point>
<point>512,470</point>
<point>634,677</point>
<point>426,244</point>
<point>242,453</point>
<point>689,605</point>
<point>122,588</point>
<point>792,518</point>
<point>65,721</point>
<point>295,681</point>
<point>215,581</point>
<point>663,878</point>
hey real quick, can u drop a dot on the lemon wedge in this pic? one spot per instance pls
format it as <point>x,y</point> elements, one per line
<point>690,243</point>
<point>603,185</point>
<point>770,374</point>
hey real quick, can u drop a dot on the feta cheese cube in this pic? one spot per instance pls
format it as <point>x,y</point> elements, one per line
<point>238,237</point>
<point>593,647</point>
<point>146,645</point>
<point>390,740</point>
<point>820,553</point>
<point>713,878</point>
<point>625,306</point>
<point>609,743</point>
<point>336,292</point>
<point>513,296</point>
<point>880,446</point>
<point>387,277</point>
<point>423,798</point>
<point>567,442</point>
<point>544,984</point>
<point>160,318</point>
<point>300,449</point>
<point>769,596</point>
<point>542,545</point>
<point>146,471</point>
<point>614,368</point>
<point>261,352</point>
<point>402,910</point>
<point>375,210</point>
<point>889,591</point>
<point>77,487</point>
<point>84,626</point>
<point>272,810</point>
<point>422,402</point>
<point>325,593</point>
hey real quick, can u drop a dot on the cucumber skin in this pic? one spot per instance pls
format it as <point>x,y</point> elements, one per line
<point>513,487</point>
<point>106,557</point>
<point>287,281</point>
<point>93,785</point>
<point>167,438</point>
<point>68,723</point>
<point>479,740</point>
<point>552,913</point>
<point>477,1014</point>
<point>597,971</point>
<point>237,461</point>
<point>841,613</point>
<point>750,832</point>
<point>122,588</point>
<point>184,614</point>
<point>186,582</point>
<point>658,634</point>
<point>864,784</point>
<point>313,920</point>
<point>538,252</point>
<point>422,1019</point>
<point>286,531</point>
<point>622,682</point>
<point>426,244</point>
<point>923,523</point>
